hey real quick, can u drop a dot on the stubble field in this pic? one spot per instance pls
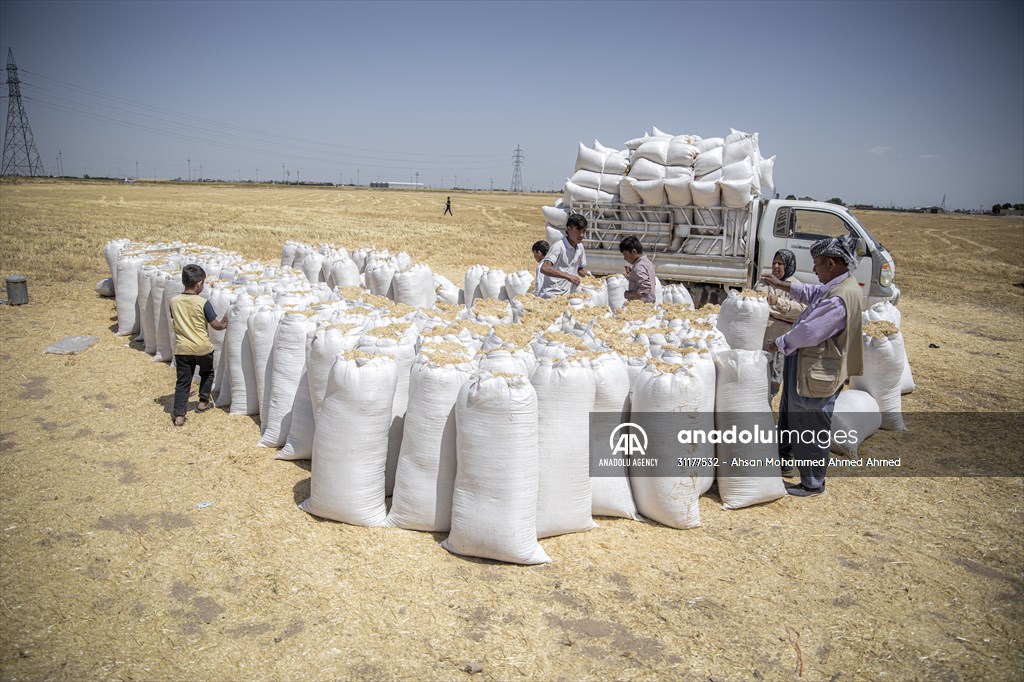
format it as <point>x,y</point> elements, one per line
<point>110,570</point>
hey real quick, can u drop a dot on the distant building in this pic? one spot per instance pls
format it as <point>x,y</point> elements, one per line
<point>932,209</point>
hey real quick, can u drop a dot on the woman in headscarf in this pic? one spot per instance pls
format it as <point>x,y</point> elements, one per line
<point>783,311</point>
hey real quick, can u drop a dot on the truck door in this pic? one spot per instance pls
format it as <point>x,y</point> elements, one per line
<point>805,226</point>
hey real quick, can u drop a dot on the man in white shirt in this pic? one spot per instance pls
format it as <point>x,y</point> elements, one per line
<point>566,261</point>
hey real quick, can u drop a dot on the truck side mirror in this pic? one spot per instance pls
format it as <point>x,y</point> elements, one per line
<point>862,249</point>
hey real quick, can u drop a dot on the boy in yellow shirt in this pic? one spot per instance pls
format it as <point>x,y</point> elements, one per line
<point>192,346</point>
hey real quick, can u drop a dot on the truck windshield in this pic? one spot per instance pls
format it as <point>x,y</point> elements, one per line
<point>864,230</point>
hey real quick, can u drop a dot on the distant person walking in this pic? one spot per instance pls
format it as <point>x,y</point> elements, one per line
<point>448,208</point>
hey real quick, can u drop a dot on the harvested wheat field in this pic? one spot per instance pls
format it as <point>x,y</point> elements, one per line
<point>114,567</point>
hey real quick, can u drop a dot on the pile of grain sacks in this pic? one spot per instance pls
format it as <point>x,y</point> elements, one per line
<point>697,187</point>
<point>467,407</point>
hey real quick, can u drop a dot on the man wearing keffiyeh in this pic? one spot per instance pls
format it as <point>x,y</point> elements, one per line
<point>821,351</point>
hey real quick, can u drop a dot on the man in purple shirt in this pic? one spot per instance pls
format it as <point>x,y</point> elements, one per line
<point>639,271</point>
<point>821,351</point>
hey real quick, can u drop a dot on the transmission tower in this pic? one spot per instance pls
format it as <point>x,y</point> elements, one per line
<point>517,170</point>
<point>20,154</point>
<point>943,204</point>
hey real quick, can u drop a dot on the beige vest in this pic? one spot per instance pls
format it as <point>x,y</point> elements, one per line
<point>822,369</point>
<point>190,334</point>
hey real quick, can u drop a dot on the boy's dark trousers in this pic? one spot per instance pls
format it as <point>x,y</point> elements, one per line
<point>186,368</point>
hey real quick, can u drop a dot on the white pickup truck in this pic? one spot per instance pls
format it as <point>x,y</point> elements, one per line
<point>713,249</point>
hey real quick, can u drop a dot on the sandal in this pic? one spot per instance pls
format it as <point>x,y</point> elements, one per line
<point>179,421</point>
<point>209,406</point>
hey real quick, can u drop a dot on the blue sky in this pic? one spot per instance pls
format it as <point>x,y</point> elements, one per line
<point>880,102</point>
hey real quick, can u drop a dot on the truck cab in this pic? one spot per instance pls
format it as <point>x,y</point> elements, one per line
<point>796,225</point>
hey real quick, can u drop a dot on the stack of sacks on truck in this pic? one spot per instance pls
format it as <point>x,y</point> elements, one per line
<point>315,359</point>
<point>696,183</point>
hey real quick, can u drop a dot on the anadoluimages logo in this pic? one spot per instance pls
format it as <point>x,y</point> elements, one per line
<point>628,439</point>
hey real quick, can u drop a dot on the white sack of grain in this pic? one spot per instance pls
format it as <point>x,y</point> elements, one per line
<point>358,257</point>
<point>565,399</point>
<point>220,301</point>
<point>652,192</point>
<point>505,361</point>
<point>518,283</point>
<point>741,401</point>
<point>126,284</point>
<point>605,182</point>
<point>312,266</point>
<point>111,252</point>
<point>379,278</point>
<point>299,442</point>
<point>677,294</point>
<point>446,291</point>
<point>743,320</point>
<point>600,162</point>
<point>611,495</point>
<point>883,371</point>
<point>645,169</point>
<point>855,412</point>
<point>172,287</point>
<point>575,193</point>
<point>706,194</point>
<point>288,253</point>
<point>403,351</point>
<point>321,352</point>
<point>653,149</point>
<point>241,371</point>
<point>672,500</point>
<point>766,177</point>
<point>681,153</point>
<point>737,193</point>
<point>414,286</point>
<point>616,285</point>
<point>739,145</point>
<point>627,191</point>
<point>494,507</point>
<point>262,328</point>
<point>492,284</point>
<point>677,191</point>
<point>472,283</point>
<point>884,310</point>
<point>147,319</point>
<point>350,446</point>
<point>555,216</point>
<point>344,273</point>
<point>710,143</point>
<point>285,367</point>
<point>553,234</point>
<point>105,287</point>
<point>425,479</point>
<point>708,162</point>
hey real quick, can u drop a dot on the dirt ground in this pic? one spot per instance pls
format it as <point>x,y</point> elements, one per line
<point>113,567</point>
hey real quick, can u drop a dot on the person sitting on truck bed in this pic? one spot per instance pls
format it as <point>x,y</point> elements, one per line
<point>783,311</point>
<point>566,261</point>
<point>540,249</point>
<point>639,271</point>
<point>822,350</point>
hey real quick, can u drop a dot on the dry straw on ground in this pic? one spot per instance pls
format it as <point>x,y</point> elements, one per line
<point>114,566</point>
